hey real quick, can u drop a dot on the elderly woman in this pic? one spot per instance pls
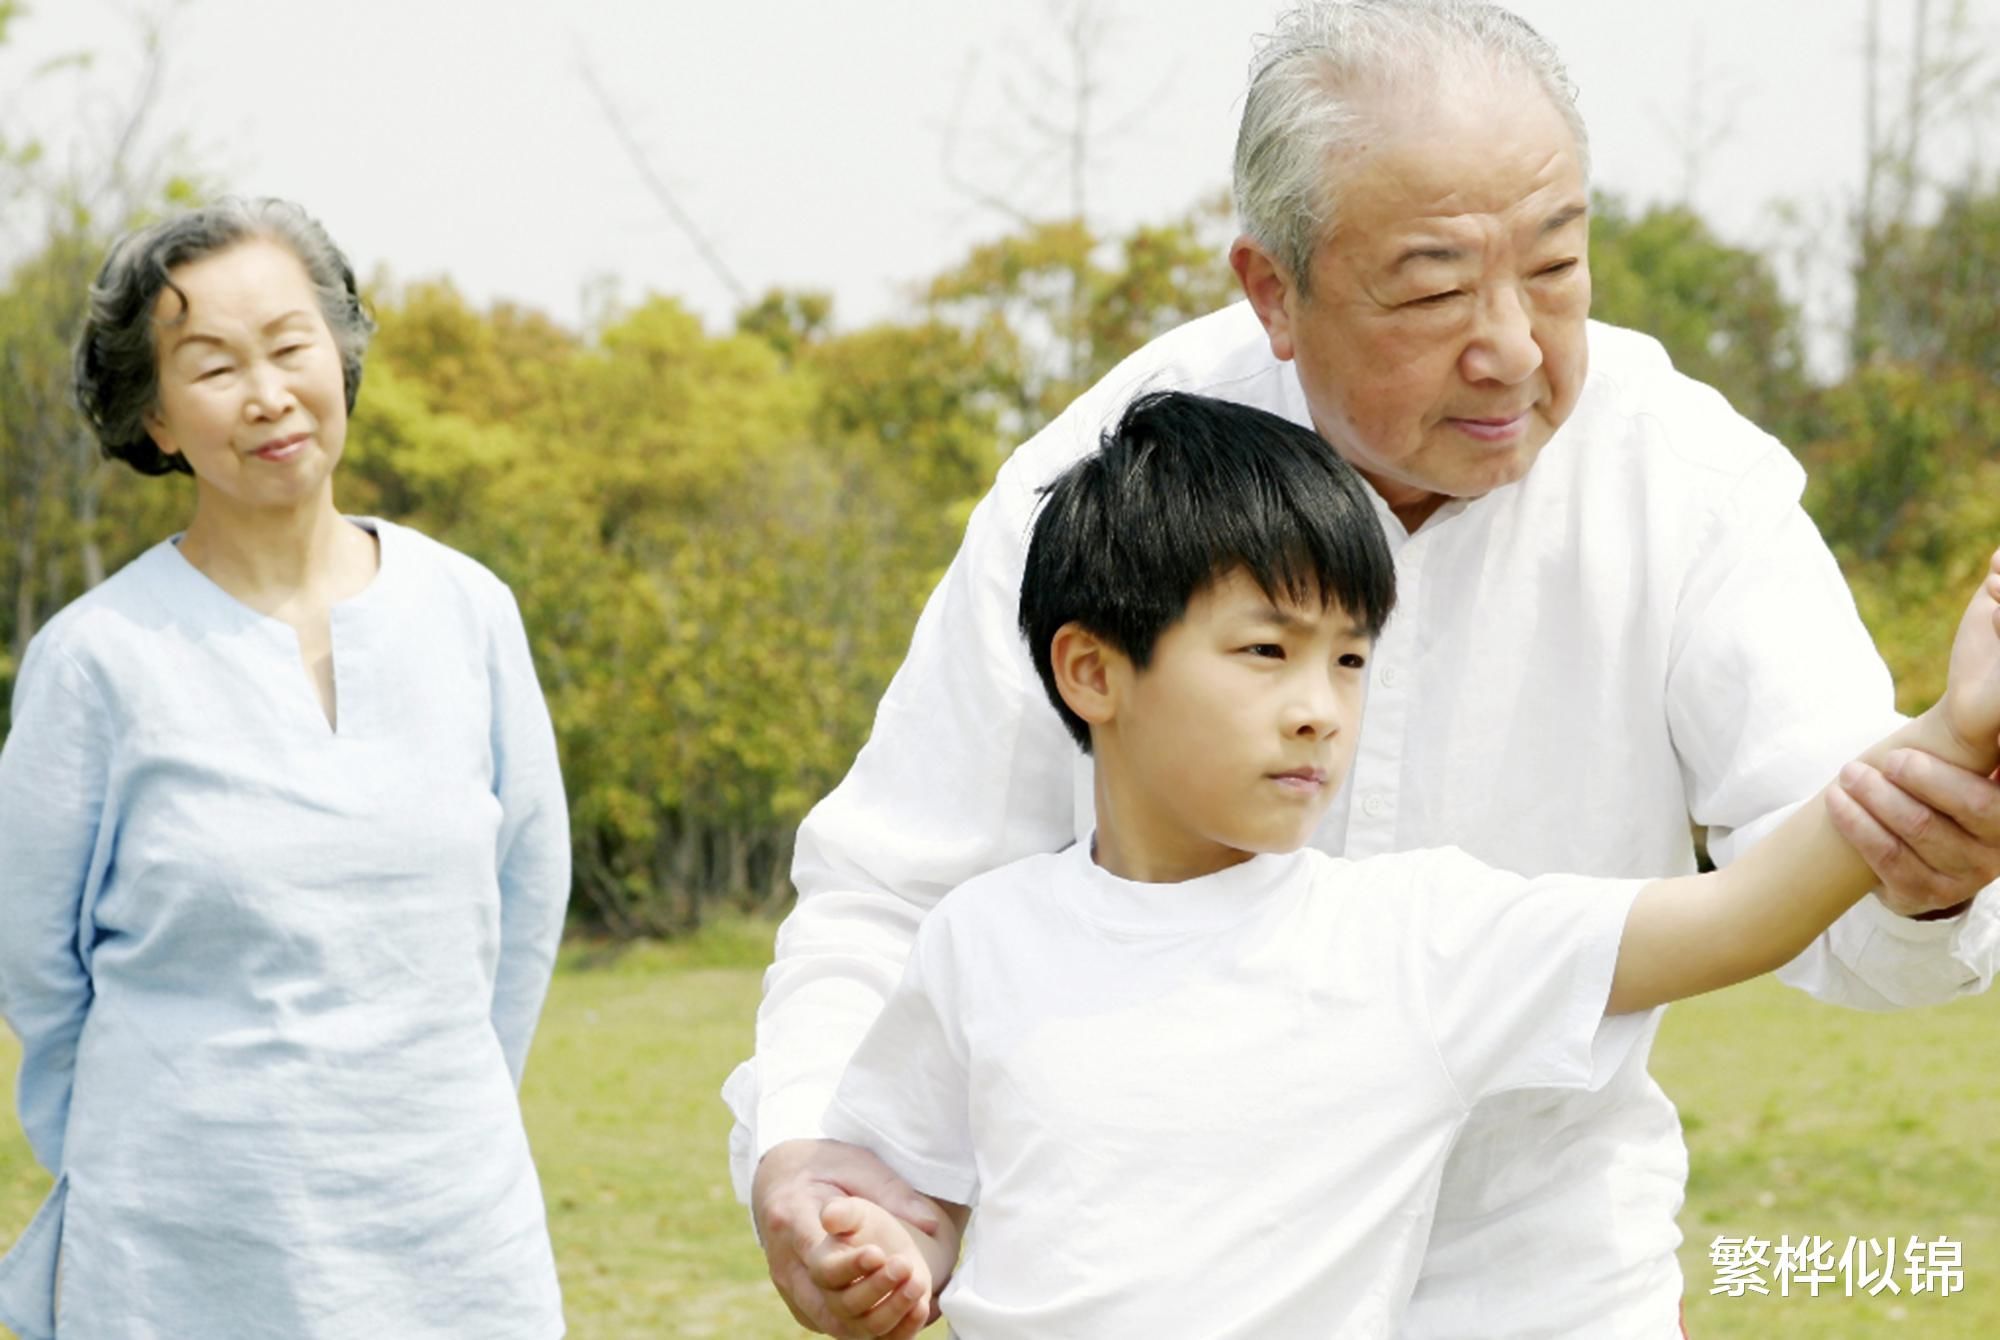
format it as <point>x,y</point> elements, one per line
<point>283,856</point>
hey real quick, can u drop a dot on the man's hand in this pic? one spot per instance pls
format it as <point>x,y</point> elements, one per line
<point>795,1183</point>
<point>1929,830</point>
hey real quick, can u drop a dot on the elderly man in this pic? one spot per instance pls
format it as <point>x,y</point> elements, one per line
<point>1603,575</point>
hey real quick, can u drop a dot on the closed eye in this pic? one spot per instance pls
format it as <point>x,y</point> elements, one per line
<point>1560,267</point>
<point>1435,299</point>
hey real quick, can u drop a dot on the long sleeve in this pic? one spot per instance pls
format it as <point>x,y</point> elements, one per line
<point>53,779</point>
<point>534,848</point>
<point>1775,685</point>
<point>967,768</point>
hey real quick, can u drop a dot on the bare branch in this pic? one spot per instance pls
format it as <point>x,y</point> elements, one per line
<point>1707,119</point>
<point>1059,103</point>
<point>1002,204</point>
<point>117,179</point>
<point>655,183</point>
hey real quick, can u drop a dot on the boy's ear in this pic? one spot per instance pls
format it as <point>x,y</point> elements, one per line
<point>1084,666</point>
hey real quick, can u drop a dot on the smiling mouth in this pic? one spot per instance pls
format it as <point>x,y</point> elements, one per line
<point>282,448</point>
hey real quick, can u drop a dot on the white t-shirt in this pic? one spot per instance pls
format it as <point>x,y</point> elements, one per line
<point>1221,1108</point>
<point>1646,627</point>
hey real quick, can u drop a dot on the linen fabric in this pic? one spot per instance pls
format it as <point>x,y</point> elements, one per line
<point>1153,1092</point>
<point>1646,627</point>
<point>275,982</point>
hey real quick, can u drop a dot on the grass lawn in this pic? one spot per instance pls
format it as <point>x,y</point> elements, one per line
<point>1802,1121</point>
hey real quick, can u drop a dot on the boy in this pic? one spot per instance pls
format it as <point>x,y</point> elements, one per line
<point>1112,1050</point>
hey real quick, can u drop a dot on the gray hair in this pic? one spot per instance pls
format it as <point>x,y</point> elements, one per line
<point>116,368</point>
<point>1311,77</point>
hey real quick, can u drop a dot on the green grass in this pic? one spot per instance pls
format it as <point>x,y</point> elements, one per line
<point>1801,1119</point>
<point>1804,1120</point>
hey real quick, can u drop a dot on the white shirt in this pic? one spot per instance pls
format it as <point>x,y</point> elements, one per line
<point>1135,1084</point>
<point>1645,628</point>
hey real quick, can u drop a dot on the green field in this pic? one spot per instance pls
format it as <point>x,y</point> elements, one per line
<point>1802,1121</point>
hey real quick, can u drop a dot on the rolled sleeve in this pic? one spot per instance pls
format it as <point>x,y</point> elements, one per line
<point>1874,959</point>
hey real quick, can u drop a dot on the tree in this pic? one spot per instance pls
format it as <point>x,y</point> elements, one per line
<point>1905,486</point>
<point>1717,308</point>
<point>1946,81</point>
<point>69,517</point>
<point>718,544</point>
<point>1019,295</point>
<point>1943,308</point>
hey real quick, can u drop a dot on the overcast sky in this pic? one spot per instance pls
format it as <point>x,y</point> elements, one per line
<point>806,138</point>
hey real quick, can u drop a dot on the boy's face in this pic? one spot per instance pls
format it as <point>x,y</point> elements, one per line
<point>1235,738</point>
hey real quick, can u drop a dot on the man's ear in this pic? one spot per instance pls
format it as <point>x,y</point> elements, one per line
<point>1087,672</point>
<point>1269,290</point>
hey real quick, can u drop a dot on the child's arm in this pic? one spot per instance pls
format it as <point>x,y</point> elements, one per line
<point>876,1272</point>
<point>1695,934</point>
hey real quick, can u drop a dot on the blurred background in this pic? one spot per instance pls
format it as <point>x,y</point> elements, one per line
<point>704,325</point>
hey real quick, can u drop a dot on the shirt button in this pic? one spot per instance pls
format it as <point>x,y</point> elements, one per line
<point>1375,805</point>
<point>1392,676</point>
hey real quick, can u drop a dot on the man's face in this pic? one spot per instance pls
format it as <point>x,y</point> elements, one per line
<point>1443,341</point>
<point>1236,736</point>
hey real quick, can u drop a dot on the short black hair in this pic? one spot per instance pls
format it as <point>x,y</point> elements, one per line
<point>1182,491</point>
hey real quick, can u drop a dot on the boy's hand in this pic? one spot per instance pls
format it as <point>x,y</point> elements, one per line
<point>1972,689</point>
<point>870,1270</point>
<point>795,1182</point>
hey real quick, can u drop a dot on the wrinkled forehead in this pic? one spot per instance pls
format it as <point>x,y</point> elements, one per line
<point>1450,90</point>
<point>1490,152</point>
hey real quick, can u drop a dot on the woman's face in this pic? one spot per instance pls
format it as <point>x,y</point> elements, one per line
<point>250,390</point>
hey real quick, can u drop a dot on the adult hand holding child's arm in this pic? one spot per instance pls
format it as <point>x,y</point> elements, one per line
<point>1930,829</point>
<point>795,1184</point>
<point>1698,933</point>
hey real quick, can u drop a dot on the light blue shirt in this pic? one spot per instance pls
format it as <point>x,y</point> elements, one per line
<point>275,982</point>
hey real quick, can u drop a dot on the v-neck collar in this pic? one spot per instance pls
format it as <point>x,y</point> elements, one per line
<point>283,638</point>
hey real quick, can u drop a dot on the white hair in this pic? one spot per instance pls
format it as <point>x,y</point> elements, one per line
<point>1317,77</point>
